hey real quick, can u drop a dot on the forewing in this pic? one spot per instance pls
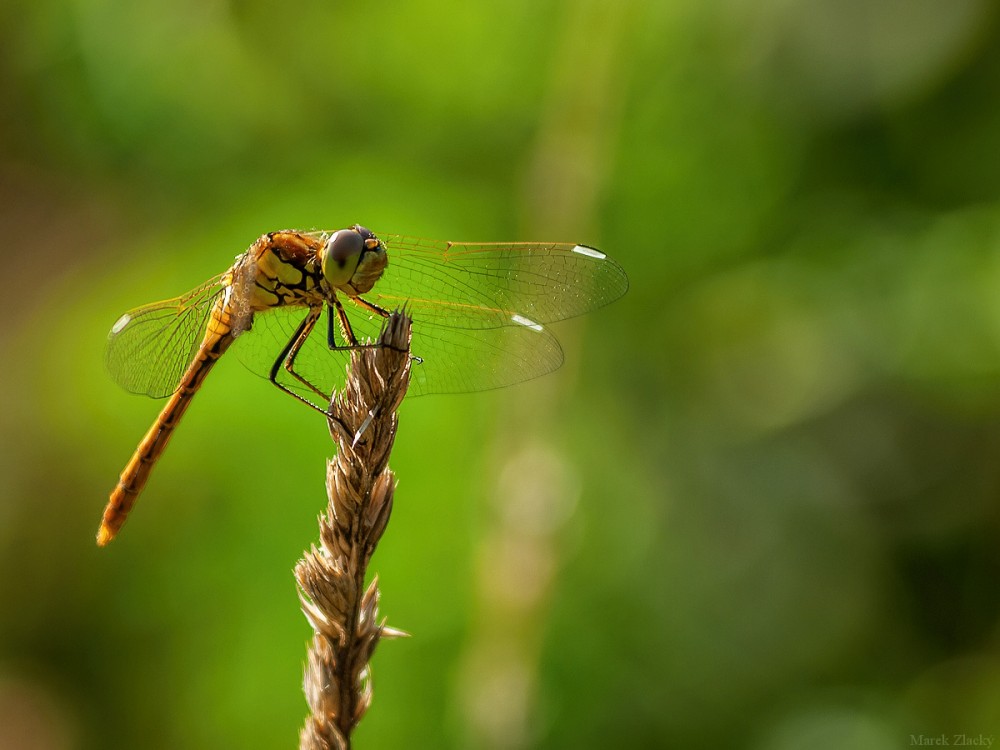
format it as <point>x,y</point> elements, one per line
<point>490,285</point>
<point>150,347</point>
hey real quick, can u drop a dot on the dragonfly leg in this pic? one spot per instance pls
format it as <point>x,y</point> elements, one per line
<point>331,338</point>
<point>288,356</point>
<point>370,307</point>
<point>286,360</point>
<point>346,330</point>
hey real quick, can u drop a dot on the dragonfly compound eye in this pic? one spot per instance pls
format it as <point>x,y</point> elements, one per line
<point>341,255</point>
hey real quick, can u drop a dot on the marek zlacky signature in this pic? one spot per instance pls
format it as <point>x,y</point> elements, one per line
<point>952,740</point>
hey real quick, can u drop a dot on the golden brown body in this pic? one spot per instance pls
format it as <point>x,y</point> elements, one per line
<point>133,478</point>
<point>280,269</point>
<point>480,312</point>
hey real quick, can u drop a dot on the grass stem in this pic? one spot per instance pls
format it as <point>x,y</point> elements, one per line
<point>331,576</point>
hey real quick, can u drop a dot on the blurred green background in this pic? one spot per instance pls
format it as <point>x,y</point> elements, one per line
<point>759,507</point>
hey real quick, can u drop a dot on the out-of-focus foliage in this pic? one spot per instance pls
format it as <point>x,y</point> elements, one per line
<point>760,505</point>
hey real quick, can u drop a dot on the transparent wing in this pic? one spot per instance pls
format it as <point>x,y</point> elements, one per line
<point>479,309</point>
<point>479,312</point>
<point>451,360</point>
<point>470,358</point>
<point>459,360</point>
<point>150,347</point>
<point>491,285</point>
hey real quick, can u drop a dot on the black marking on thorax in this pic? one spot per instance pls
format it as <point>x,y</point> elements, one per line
<point>291,278</point>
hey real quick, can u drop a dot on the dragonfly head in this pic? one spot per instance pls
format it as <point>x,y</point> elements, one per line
<point>353,260</point>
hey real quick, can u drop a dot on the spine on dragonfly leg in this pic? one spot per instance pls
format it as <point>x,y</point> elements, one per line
<point>134,477</point>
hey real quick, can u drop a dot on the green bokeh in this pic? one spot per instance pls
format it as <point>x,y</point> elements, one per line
<point>758,507</point>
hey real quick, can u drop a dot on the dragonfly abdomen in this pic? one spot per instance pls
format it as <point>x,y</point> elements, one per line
<point>218,338</point>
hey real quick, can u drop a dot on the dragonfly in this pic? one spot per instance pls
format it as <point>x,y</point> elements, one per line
<point>295,300</point>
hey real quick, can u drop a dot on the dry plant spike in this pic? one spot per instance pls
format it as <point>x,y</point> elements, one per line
<point>331,577</point>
